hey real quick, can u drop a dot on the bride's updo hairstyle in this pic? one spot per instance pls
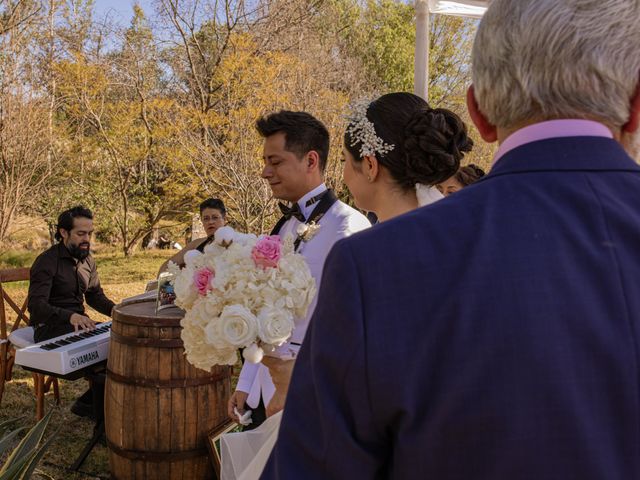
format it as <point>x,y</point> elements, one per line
<point>428,144</point>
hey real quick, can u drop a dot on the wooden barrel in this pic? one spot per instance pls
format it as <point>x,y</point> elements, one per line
<point>158,407</point>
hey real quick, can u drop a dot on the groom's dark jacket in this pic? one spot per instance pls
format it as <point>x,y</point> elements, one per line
<point>494,335</point>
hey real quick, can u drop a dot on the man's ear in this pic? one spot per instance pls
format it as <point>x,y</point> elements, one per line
<point>634,115</point>
<point>64,234</point>
<point>313,160</point>
<point>488,132</point>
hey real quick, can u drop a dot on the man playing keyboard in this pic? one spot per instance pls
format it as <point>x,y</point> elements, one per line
<point>62,278</point>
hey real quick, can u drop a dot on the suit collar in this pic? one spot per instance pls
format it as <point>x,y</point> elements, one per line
<point>565,154</point>
<point>552,129</point>
<point>307,209</point>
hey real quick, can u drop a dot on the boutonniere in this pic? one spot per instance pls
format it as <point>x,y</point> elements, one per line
<point>306,231</point>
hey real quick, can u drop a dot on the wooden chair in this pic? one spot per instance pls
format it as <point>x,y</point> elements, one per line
<point>20,337</point>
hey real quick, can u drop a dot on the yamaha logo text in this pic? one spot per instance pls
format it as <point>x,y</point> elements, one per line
<point>79,361</point>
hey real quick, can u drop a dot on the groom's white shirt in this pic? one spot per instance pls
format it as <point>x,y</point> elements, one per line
<point>340,221</point>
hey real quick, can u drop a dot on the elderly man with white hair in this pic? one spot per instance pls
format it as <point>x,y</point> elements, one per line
<point>496,333</point>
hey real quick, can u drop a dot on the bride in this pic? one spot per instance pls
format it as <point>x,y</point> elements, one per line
<point>396,149</point>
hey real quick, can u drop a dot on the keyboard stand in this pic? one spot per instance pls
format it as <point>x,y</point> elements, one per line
<point>98,411</point>
<point>95,377</point>
<point>98,432</point>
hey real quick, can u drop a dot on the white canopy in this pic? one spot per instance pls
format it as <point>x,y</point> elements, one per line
<point>468,8</point>
<point>463,8</point>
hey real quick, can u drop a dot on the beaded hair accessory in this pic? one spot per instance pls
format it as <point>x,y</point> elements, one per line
<point>362,130</point>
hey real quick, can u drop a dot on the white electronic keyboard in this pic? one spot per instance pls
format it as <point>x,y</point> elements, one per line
<point>68,353</point>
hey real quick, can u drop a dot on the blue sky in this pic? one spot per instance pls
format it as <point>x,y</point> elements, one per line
<point>120,11</point>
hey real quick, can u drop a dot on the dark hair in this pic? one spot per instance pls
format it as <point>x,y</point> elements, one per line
<point>214,203</point>
<point>302,133</point>
<point>468,174</point>
<point>428,143</point>
<point>65,219</point>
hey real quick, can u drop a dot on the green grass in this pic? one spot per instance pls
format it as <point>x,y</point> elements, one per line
<point>116,268</point>
<point>17,258</point>
<point>120,277</point>
<point>72,431</point>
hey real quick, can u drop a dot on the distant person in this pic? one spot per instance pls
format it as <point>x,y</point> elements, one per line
<point>62,278</point>
<point>464,177</point>
<point>213,216</point>
<point>163,242</point>
<point>153,243</point>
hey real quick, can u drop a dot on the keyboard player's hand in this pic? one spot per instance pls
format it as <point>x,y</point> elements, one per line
<point>81,322</point>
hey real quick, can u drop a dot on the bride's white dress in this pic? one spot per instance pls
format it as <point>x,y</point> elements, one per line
<point>245,454</point>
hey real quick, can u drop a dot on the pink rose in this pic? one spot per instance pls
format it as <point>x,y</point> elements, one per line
<point>267,251</point>
<point>202,280</point>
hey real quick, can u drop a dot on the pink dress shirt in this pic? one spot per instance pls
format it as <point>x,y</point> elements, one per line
<point>552,129</point>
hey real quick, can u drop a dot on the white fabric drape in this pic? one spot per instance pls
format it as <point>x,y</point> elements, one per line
<point>245,454</point>
<point>464,8</point>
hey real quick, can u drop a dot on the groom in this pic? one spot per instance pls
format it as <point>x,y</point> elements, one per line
<point>296,147</point>
<point>496,333</point>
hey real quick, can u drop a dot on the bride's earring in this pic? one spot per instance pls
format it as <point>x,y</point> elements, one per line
<point>369,178</point>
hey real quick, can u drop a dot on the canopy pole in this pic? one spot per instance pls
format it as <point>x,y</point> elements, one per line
<point>421,59</point>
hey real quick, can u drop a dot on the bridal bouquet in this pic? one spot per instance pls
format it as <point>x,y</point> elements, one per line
<point>243,291</point>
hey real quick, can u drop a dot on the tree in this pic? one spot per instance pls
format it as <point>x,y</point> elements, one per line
<point>24,169</point>
<point>24,164</point>
<point>228,163</point>
<point>122,121</point>
<point>16,14</point>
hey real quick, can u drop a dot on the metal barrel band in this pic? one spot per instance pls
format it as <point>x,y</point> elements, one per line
<point>171,383</point>
<point>157,457</point>
<point>145,322</point>
<point>147,342</point>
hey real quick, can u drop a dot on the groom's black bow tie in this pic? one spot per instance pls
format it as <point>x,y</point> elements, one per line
<point>294,210</point>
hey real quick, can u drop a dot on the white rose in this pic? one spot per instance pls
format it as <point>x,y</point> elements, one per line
<point>238,325</point>
<point>227,356</point>
<point>224,236</point>
<point>213,335</point>
<point>198,353</point>
<point>244,238</point>
<point>275,325</point>
<point>186,293</point>
<point>191,257</point>
<point>253,353</point>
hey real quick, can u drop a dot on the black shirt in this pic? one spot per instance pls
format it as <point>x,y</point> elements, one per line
<point>58,286</point>
<point>206,242</point>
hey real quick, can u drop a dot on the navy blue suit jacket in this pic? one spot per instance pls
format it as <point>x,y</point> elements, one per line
<point>492,335</point>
